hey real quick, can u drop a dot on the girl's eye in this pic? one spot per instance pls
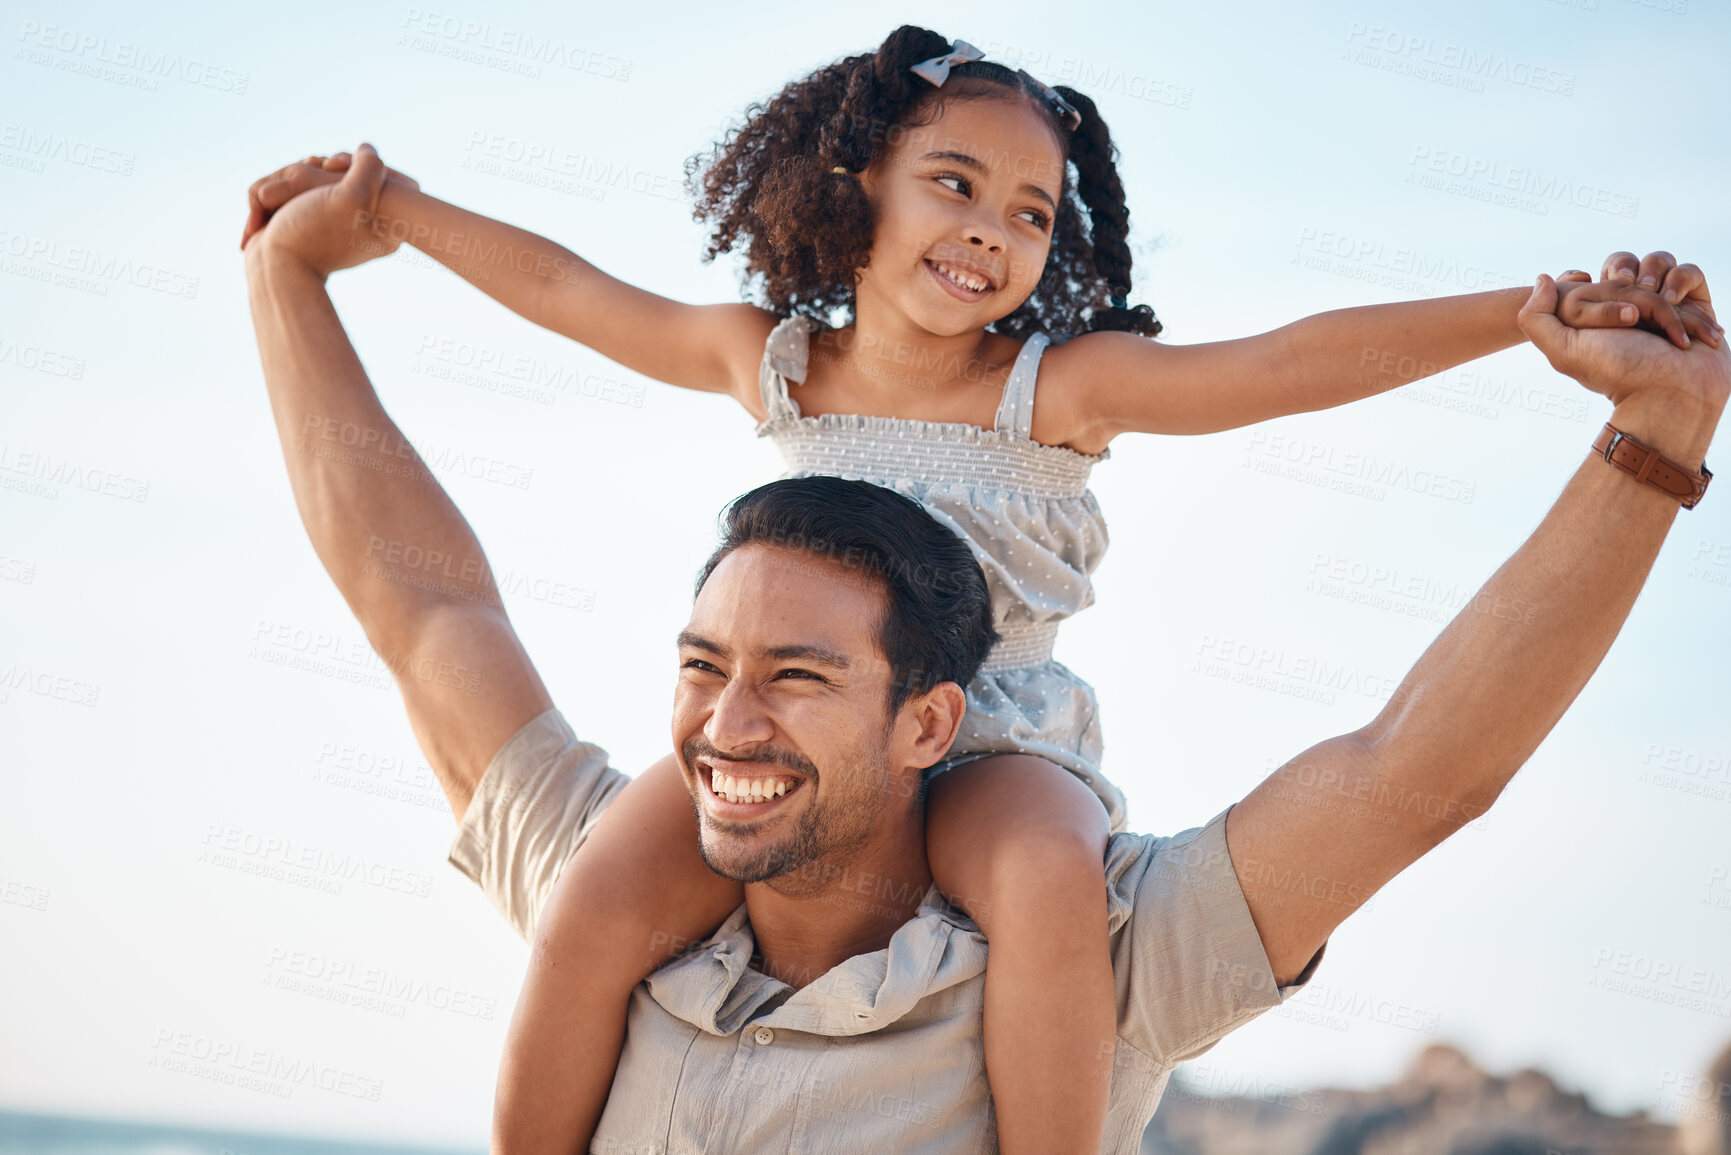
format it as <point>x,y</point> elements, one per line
<point>1039,219</point>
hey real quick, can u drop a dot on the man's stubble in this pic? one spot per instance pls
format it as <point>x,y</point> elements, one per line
<point>824,836</point>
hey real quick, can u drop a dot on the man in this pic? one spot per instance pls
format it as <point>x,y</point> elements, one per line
<point>830,1012</point>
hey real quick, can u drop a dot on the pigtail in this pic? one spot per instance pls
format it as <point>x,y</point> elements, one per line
<point>1102,192</point>
<point>877,91</point>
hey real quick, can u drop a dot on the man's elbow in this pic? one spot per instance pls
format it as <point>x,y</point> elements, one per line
<point>1425,788</point>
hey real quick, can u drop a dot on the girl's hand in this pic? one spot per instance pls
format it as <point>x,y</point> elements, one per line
<point>1655,293</point>
<point>270,193</point>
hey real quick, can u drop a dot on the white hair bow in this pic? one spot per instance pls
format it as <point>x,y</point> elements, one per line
<point>937,69</point>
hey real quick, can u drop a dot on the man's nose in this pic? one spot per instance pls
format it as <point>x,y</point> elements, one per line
<point>738,718</point>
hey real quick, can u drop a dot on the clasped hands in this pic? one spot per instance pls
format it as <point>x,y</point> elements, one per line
<point>324,211</point>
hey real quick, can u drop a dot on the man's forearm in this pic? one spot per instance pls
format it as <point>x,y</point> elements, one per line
<point>513,266</point>
<point>1347,354</point>
<point>1352,812</point>
<point>364,494</point>
<point>1494,683</point>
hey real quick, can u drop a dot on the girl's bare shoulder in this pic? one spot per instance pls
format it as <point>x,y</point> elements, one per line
<point>740,332</point>
<point>1078,376</point>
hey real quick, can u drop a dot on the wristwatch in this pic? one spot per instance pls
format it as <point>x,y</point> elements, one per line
<point>1651,466</point>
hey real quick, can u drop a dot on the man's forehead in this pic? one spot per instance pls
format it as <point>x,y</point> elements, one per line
<point>762,599</point>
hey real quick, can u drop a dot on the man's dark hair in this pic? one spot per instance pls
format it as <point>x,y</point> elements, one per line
<point>937,625</point>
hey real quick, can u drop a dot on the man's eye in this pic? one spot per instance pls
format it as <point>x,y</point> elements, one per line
<point>697,664</point>
<point>801,674</point>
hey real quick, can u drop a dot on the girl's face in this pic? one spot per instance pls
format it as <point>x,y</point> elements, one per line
<point>964,208</point>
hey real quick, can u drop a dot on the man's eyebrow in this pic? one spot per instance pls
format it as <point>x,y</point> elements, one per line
<point>823,655</point>
<point>963,158</point>
<point>699,642</point>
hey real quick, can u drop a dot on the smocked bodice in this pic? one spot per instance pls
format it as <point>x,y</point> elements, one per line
<point>1024,508</point>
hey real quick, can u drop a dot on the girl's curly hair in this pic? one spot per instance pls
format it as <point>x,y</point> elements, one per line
<point>768,186</point>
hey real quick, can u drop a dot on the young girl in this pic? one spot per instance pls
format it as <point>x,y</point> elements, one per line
<point>969,224</point>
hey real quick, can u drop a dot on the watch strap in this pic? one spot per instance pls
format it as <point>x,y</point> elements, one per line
<point>1649,465</point>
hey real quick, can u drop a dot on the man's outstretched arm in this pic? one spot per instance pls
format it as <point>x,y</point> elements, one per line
<point>1350,813</point>
<point>391,539</point>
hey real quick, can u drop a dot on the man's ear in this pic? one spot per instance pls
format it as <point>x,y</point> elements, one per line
<point>935,717</point>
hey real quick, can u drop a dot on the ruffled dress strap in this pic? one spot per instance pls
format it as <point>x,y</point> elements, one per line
<point>1016,410</point>
<point>784,360</point>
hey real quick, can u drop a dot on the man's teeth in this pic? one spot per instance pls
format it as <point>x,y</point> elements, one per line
<point>965,280</point>
<point>734,789</point>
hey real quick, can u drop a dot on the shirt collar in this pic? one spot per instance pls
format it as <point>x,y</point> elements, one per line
<point>713,987</point>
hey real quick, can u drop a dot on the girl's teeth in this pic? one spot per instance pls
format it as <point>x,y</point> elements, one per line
<point>974,284</point>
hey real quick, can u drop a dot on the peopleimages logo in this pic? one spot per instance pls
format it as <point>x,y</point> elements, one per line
<point>1353,470</point>
<point>87,52</point>
<point>40,257</point>
<point>1404,267</point>
<point>1429,165</point>
<point>263,1069</point>
<point>374,988</point>
<point>498,46</point>
<point>41,146</point>
<point>291,861</point>
<point>1446,62</point>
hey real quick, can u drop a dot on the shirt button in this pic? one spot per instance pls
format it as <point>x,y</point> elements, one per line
<point>764,1036</point>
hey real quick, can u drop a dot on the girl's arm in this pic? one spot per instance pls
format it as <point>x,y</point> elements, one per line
<point>712,348</point>
<point>1120,382</point>
<point>635,893</point>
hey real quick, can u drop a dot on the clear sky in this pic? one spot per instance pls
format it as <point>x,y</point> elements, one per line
<point>186,701</point>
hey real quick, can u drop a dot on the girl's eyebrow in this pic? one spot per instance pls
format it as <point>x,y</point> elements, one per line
<point>963,158</point>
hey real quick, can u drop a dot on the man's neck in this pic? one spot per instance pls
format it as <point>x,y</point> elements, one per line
<point>835,909</point>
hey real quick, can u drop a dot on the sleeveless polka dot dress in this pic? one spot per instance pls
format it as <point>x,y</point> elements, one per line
<point>1026,512</point>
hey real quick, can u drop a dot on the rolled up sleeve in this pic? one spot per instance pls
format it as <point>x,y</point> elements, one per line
<point>1189,963</point>
<point>540,797</point>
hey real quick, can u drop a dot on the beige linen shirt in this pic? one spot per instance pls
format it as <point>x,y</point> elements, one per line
<point>884,1052</point>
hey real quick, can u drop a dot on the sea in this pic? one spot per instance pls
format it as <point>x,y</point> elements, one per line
<point>59,1135</point>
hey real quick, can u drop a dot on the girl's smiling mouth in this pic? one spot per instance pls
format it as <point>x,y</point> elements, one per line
<point>961,281</point>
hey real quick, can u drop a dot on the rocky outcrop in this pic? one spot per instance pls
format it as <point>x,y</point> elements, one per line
<point>1443,1105</point>
<point>1705,1117</point>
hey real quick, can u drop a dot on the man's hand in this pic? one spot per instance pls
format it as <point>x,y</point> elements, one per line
<point>335,222</point>
<point>1656,294</point>
<point>1683,390</point>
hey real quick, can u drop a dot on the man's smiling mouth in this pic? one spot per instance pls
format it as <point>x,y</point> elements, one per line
<point>747,789</point>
